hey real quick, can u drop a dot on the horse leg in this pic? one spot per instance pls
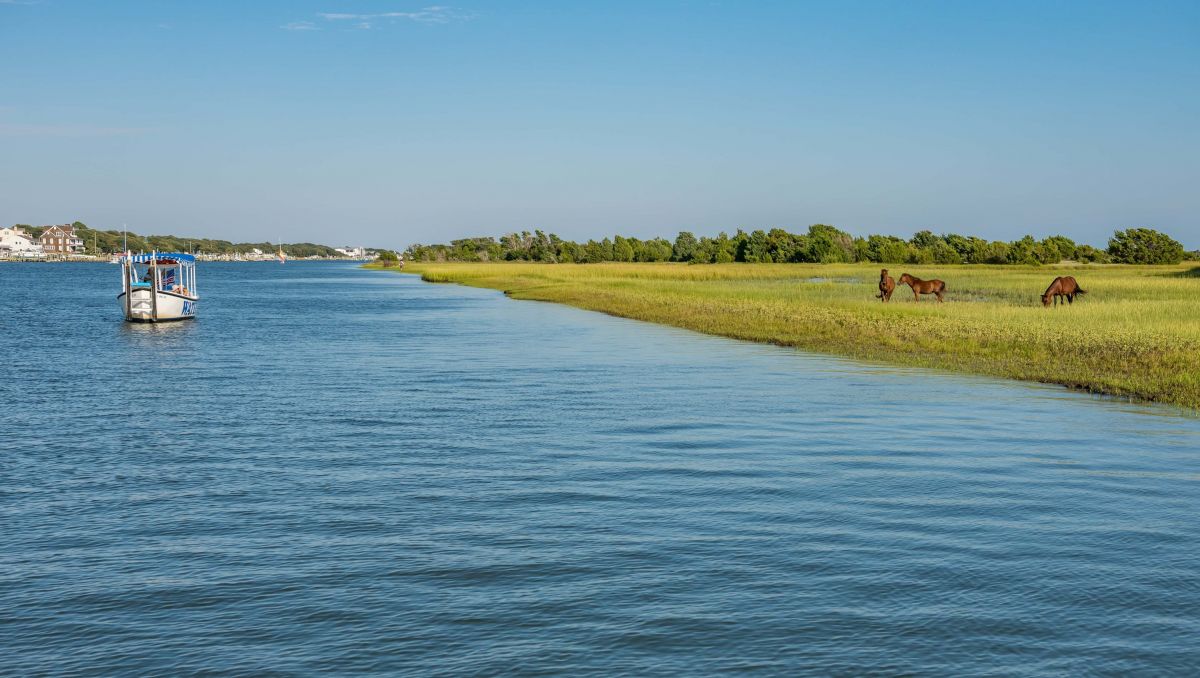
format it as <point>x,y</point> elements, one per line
<point>939,294</point>
<point>1070,298</point>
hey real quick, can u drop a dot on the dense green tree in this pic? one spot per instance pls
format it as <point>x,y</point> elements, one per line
<point>685,246</point>
<point>782,246</point>
<point>961,244</point>
<point>996,253</point>
<point>943,253</point>
<point>1056,248</point>
<point>658,249</point>
<point>1024,251</point>
<point>924,240</point>
<point>542,247</point>
<point>622,250</point>
<point>594,252</point>
<point>1144,246</point>
<point>1090,255</point>
<point>724,249</point>
<point>971,250</point>
<point>862,250</point>
<point>753,248</point>
<point>828,245</point>
<point>978,252</point>
<point>886,249</point>
<point>919,255</point>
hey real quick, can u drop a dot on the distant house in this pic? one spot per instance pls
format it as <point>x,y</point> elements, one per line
<point>16,242</point>
<point>352,252</point>
<point>61,240</point>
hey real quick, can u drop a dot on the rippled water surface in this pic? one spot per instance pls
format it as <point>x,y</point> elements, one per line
<point>336,470</point>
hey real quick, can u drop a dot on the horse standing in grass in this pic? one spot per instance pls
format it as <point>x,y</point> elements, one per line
<point>1063,286</point>
<point>887,285</point>
<point>919,287</point>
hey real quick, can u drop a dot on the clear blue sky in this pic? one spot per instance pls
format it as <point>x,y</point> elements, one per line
<point>293,119</point>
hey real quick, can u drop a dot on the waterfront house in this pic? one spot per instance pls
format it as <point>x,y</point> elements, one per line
<point>61,240</point>
<point>16,242</point>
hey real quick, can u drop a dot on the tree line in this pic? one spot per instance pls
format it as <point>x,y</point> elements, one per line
<point>821,244</point>
<point>111,242</point>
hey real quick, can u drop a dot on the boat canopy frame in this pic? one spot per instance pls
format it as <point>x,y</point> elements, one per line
<point>155,262</point>
<point>148,257</point>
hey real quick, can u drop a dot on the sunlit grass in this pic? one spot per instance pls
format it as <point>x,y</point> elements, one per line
<point>1136,333</point>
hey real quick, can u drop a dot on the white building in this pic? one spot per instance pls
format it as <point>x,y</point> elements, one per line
<point>352,252</point>
<point>15,242</point>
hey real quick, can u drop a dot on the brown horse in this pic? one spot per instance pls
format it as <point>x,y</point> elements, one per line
<point>886,286</point>
<point>1063,286</point>
<point>919,287</point>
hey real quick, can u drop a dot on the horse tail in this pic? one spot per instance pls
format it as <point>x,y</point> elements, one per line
<point>1080,290</point>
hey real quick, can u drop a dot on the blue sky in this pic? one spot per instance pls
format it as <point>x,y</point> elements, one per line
<point>385,123</point>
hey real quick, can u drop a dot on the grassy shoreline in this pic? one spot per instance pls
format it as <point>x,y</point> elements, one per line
<point>1136,334</point>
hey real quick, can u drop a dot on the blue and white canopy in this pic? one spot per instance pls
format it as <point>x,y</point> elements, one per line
<point>159,256</point>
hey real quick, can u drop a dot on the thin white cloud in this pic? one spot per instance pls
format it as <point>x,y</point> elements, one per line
<point>434,14</point>
<point>300,26</point>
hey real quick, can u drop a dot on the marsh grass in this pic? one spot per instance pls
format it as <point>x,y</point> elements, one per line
<point>1136,333</point>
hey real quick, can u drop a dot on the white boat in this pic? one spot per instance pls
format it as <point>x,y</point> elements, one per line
<point>158,287</point>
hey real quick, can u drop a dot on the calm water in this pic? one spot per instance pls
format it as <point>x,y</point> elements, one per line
<point>335,470</point>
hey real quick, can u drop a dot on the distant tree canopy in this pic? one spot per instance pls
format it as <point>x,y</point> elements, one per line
<point>1144,246</point>
<point>109,242</point>
<point>820,244</point>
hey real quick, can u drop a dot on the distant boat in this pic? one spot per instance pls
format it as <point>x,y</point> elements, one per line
<point>281,255</point>
<point>158,287</point>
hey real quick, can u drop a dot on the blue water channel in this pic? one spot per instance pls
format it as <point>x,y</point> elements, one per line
<point>335,470</point>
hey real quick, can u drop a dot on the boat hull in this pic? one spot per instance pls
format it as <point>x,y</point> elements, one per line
<point>167,307</point>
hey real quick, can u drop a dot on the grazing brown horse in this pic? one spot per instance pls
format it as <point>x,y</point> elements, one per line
<point>1063,286</point>
<point>919,287</point>
<point>886,286</point>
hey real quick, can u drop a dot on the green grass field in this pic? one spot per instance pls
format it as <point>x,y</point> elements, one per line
<point>1135,334</point>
